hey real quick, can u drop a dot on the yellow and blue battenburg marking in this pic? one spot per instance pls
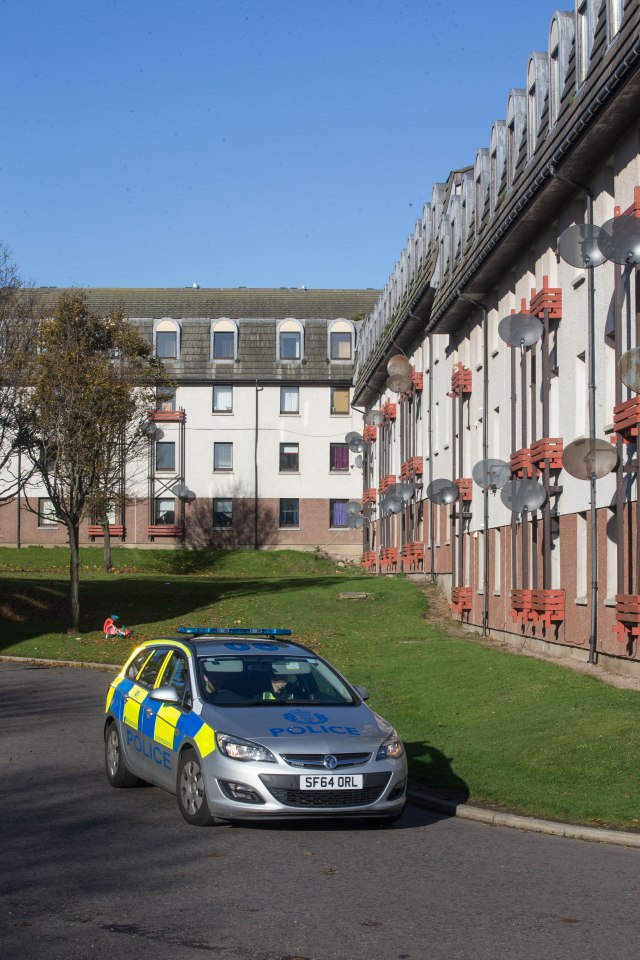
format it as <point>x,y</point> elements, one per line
<point>129,702</point>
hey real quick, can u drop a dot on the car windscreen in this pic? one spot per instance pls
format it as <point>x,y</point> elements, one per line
<point>262,681</point>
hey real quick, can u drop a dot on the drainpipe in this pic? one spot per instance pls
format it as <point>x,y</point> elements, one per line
<point>255,474</point>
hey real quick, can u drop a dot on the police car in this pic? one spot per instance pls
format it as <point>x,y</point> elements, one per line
<point>248,724</point>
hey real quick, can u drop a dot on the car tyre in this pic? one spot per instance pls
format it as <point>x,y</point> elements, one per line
<point>118,774</point>
<point>191,792</point>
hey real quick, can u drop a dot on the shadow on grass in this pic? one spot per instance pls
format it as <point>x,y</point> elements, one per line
<point>33,606</point>
<point>433,771</point>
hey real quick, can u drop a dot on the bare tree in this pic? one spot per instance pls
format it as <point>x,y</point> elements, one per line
<point>88,386</point>
<point>17,314</point>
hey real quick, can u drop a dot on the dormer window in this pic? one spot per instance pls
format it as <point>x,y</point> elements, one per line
<point>290,341</point>
<point>167,339</point>
<point>224,340</point>
<point>537,86</point>
<point>554,74</point>
<point>341,340</point>
<point>586,17</point>
<point>614,18</point>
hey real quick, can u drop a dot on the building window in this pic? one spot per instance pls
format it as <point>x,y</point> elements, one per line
<point>222,398</point>
<point>165,455</point>
<point>46,513</point>
<point>341,346</point>
<point>338,513</point>
<point>339,401</point>
<point>167,344</point>
<point>289,399</point>
<point>223,456</point>
<point>614,18</point>
<point>224,340</point>
<point>554,74</point>
<point>165,510</point>
<point>222,513</point>
<point>165,399</point>
<point>338,457</point>
<point>290,345</point>
<point>289,460</point>
<point>166,337</point>
<point>290,513</point>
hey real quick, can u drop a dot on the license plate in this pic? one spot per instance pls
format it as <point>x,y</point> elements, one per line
<point>331,781</point>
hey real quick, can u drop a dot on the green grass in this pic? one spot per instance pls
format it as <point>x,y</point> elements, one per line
<point>511,732</point>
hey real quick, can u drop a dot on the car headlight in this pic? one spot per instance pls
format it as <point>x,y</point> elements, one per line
<point>391,749</point>
<point>238,749</point>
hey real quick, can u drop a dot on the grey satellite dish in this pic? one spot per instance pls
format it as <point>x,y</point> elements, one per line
<point>354,506</point>
<point>491,474</point>
<point>523,496</point>
<point>399,366</point>
<point>619,239</point>
<point>589,457</point>
<point>578,245</point>
<point>356,445</point>
<point>352,435</point>
<point>520,330</point>
<point>358,462</point>
<point>183,492</point>
<point>629,369</point>
<point>355,521</point>
<point>442,491</point>
<point>151,430</point>
<point>406,491</point>
<point>393,504</point>
<point>373,418</point>
<point>398,383</point>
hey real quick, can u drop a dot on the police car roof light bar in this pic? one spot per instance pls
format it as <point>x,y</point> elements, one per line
<point>235,631</point>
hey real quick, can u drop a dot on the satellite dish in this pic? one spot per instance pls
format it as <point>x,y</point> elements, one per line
<point>629,369</point>
<point>393,504</point>
<point>406,491</point>
<point>352,435</point>
<point>578,245</point>
<point>399,366</point>
<point>354,506</point>
<point>587,457</point>
<point>358,462</point>
<point>619,239</point>
<point>356,445</point>
<point>522,496</point>
<point>398,383</point>
<point>520,330</point>
<point>442,491</point>
<point>182,492</point>
<point>151,430</point>
<point>373,418</point>
<point>491,474</point>
<point>355,521</point>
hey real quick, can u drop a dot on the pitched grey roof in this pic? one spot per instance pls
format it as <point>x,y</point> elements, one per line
<point>236,303</point>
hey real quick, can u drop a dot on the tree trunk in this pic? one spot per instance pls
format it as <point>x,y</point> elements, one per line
<point>107,562</point>
<point>74,577</point>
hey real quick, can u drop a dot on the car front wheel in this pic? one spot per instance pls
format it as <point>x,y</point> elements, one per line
<point>118,774</point>
<point>192,796</point>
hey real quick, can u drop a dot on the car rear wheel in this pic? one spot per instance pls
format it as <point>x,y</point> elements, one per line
<point>192,796</point>
<point>118,774</point>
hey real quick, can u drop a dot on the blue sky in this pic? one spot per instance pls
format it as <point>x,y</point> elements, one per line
<point>242,142</point>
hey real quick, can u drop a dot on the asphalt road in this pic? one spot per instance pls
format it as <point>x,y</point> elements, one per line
<point>88,871</point>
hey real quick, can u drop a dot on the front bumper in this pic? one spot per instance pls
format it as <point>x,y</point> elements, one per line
<point>273,790</point>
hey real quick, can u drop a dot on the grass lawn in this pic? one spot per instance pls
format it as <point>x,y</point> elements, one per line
<point>511,732</point>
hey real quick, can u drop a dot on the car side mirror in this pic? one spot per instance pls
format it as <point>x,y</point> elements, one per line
<point>165,695</point>
<point>362,692</point>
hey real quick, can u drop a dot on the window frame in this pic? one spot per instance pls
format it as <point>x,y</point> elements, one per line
<point>333,503</point>
<point>289,328</point>
<point>282,453</point>
<point>290,387</point>
<point>219,444</point>
<point>222,526</point>
<point>223,326</point>
<point>342,447</point>
<point>293,510</point>
<point>165,445</point>
<point>334,412</point>
<point>221,386</point>
<point>165,326</point>
<point>157,510</point>
<point>44,521</point>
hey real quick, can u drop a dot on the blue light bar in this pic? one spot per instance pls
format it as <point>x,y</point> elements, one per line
<point>235,631</point>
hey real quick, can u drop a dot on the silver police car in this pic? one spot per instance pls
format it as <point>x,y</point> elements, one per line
<point>246,724</point>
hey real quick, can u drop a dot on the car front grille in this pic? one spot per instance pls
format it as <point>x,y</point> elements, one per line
<point>286,790</point>
<point>316,760</point>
